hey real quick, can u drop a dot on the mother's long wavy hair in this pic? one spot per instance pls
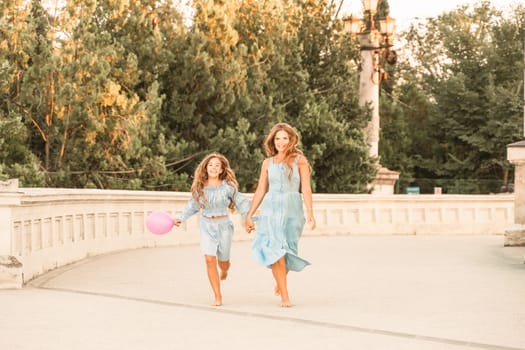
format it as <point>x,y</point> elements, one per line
<point>291,150</point>
<point>201,178</point>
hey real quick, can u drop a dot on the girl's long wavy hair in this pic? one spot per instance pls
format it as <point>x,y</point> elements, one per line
<point>291,150</point>
<point>200,178</point>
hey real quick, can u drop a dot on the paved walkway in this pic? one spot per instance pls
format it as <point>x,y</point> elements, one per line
<point>361,292</point>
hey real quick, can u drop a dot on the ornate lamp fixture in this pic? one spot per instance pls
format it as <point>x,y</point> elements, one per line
<point>379,40</point>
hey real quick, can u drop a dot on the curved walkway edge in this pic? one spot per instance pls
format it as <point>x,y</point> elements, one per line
<point>361,292</point>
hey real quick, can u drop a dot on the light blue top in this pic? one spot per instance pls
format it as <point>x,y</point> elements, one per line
<point>218,199</point>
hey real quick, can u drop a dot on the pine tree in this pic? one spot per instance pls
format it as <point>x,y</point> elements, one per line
<point>100,118</point>
<point>16,158</point>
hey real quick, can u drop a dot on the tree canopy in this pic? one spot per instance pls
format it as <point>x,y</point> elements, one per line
<point>458,101</point>
<point>132,94</point>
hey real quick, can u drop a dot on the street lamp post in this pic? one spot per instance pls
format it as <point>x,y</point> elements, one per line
<point>375,46</point>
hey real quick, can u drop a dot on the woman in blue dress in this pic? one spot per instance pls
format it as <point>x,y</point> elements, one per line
<point>214,191</point>
<point>284,183</point>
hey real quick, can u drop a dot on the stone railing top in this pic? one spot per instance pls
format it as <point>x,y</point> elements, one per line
<point>516,153</point>
<point>517,144</point>
<point>36,195</point>
<point>9,185</point>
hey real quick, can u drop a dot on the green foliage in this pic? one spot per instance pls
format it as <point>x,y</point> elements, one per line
<point>251,64</point>
<point>462,98</point>
<point>125,94</point>
<point>396,140</point>
<point>16,160</point>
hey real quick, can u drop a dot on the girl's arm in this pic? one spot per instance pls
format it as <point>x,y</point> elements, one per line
<point>241,202</point>
<point>190,209</point>
<point>262,188</point>
<point>306,190</point>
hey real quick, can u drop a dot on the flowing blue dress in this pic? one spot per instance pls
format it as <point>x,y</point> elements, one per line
<point>281,219</point>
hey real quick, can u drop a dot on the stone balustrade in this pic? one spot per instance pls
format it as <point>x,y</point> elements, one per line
<point>43,229</point>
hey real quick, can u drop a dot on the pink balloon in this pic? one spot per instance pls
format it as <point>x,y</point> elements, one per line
<point>159,223</point>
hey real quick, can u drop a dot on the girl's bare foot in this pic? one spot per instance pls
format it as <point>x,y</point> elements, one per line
<point>276,291</point>
<point>217,302</point>
<point>224,274</point>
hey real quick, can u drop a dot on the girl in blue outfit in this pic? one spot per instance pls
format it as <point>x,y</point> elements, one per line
<point>284,184</point>
<point>215,191</point>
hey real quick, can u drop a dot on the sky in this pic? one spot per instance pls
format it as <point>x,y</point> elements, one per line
<point>405,11</point>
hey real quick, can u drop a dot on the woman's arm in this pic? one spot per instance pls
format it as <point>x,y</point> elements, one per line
<point>306,190</point>
<point>262,188</point>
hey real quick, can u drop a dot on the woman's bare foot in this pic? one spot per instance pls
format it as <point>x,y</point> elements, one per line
<point>286,303</point>
<point>217,302</point>
<point>224,274</point>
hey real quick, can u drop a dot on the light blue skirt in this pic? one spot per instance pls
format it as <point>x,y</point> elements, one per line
<point>279,226</point>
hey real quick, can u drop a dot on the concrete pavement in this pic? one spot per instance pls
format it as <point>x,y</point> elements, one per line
<point>361,292</point>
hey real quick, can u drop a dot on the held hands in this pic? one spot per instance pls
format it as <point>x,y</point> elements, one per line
<point>249,226</point>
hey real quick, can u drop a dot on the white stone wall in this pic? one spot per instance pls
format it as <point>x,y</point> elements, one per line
<point>413,214</point>
<point>47,228</point>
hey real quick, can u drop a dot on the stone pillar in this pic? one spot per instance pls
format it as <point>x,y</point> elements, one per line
<point>515,235</point>
<point>11,275</point>
<point>384,181</point>
<point>369,81</point>
<point>369,86</point>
